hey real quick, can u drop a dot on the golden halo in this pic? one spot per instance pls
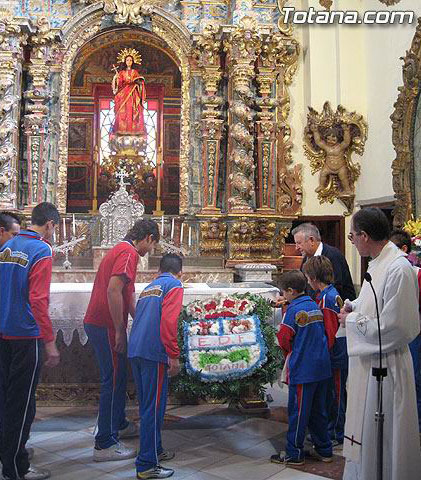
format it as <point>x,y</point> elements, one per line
<point>129,52</point>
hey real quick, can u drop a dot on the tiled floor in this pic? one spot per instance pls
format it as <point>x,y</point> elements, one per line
<point>211,443</point>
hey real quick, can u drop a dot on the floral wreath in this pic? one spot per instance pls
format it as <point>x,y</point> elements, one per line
<point>191,387</point>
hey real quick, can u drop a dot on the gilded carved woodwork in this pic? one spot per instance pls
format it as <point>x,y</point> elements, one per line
<point>239,239</point>
<point>12,40</point>
<point>242,47</point>
<point>330,139</point>
<point>207,54</point>
<point>262,241</point>
<point>36,108</point>
<point>213,235</point>
<point>402,125</point>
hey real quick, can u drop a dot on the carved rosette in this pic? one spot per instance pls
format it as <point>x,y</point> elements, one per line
<point>242,47</point>
<point>11,41</point>
<point>402,125</point>
<point>212,237</point>
<point>207,54</point>
<point>36,119</point>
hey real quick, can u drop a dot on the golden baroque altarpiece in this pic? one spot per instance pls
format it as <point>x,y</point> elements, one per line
<point>235,146</point>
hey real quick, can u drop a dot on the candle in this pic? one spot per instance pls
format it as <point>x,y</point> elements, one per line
<point>190,236</point>
<point>181,233</point>
<point>64,228</point>
<point>162,225</point>
<point>54,235</point>
<point>172,229</point>
<point>74,226</point>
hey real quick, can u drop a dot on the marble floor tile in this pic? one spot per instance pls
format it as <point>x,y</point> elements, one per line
<point>211,442</point>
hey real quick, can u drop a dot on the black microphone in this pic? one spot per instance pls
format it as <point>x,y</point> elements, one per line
<point>379,371</point>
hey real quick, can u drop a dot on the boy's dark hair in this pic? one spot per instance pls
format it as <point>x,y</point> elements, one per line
<point>7,219</point>
<point>293,279</point>
<point>373,222</point>
<point>171,263</point>
<point>142,229</point>
<point>319,268</point>
<point>43,213</point>
<point>400,238</point>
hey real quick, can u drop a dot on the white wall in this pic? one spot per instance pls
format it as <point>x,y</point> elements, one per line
<point>359,67</point>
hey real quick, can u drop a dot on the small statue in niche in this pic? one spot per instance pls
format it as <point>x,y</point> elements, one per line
<point>330,139</point>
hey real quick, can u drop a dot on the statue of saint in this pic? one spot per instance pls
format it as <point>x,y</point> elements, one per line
<point>130,94</point>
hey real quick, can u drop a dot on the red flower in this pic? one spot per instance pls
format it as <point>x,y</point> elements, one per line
<point>228,303</point>
<point>197,309</point>
<point>210,306</point>
<point>243,305</point>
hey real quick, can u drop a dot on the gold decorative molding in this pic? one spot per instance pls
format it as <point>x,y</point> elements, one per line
<point>402,126</point>
<point>329,140</point>
<point>213,233</point>
<point>12,40</point>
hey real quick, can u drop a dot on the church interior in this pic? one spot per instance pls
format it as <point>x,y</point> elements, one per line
<point>246,127</point>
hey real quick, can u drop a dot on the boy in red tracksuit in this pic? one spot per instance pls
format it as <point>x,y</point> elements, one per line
<point>320,275</point>
<point>153,351</point>
<point>302,338</point>
<point>105,322</point>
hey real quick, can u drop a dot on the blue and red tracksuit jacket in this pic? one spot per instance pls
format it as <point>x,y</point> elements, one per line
<point>330,304</point>
<point>25,277</point>
<point>154,331</point>
<point>302,338</point>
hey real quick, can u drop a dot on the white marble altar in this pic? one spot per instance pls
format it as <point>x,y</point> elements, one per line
<point>69,301</point>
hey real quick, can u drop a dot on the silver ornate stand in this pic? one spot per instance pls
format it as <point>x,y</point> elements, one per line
<point>66,247</point>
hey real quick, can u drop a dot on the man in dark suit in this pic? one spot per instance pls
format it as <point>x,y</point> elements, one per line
<point>309,243</point>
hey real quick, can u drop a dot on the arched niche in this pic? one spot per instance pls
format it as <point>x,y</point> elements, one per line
<point>84,27</point>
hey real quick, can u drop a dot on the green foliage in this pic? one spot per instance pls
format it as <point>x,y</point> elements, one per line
<point>207,358</point>
<point>191,387</point>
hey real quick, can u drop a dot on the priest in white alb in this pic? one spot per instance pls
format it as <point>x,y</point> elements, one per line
<point>396,287</point>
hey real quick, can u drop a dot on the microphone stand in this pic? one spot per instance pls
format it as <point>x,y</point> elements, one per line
<point>379,372</point>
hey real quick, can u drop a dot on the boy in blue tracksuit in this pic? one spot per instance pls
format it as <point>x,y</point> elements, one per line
<point>302,338</point>
<point>153,351</point>
<point>319,273</point>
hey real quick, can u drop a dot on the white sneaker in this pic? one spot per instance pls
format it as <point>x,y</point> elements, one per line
<point>132,430</point>
<point>116,452</point>
<point>35,473</point>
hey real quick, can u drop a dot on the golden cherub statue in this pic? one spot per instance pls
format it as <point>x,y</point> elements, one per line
<point>329,140</point>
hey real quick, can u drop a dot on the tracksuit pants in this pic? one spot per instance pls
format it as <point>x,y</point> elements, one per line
<point>152,386</point>
<point>20,364</point>
<point>112,398</point>
<point>307,408</point>
<point>415,349</point>
<point>336,403</point>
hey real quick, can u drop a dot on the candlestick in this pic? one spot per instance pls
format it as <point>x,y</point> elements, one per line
<point>64,228</point>
<point>172,229</point>
<point>74,225</point>
<point>190,236</point>
<point>181,233</point>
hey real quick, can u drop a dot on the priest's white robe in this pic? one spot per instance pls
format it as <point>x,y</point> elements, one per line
<point>396,287</point>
